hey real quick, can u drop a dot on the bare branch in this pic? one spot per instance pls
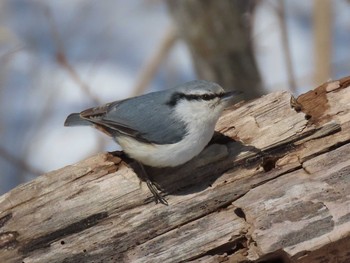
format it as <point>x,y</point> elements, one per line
<point>24,166</point>
<point>150,68</point>
<point>281,14</point>
<point>323,39</point>
<point>62,59</point>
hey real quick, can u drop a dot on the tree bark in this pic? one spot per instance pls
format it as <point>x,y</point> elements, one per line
<point>218,35</point>
<point>274,188</point>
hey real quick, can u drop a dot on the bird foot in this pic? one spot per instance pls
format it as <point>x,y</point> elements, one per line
<point>157,196</point>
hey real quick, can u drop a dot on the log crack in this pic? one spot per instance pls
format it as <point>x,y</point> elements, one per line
<point>46,240</point>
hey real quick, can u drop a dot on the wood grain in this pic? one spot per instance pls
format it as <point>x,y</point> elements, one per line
<point>274,186</point>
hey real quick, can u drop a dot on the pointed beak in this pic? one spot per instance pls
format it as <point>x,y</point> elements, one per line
<point>229,95</point>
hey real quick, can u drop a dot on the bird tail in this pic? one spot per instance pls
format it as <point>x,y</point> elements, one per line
<point>74,119</point>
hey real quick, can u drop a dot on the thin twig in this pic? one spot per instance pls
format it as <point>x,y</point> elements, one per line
<point>322,20</point>
<point>281,14</point>
<point>17,162</point>
<point>4,59</point>
<point>63,61</point>
<point>8,55</point>
<point>150,68</point>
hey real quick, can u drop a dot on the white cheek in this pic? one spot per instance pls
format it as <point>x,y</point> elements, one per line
<point>190,111</point>
<point>199,112</point>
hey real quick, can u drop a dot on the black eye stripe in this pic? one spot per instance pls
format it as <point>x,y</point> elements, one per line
<point>210,96</point>
<point>202,97</point>
<point>176,97</point>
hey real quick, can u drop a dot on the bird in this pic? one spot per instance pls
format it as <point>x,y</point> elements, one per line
<point>160,129</point>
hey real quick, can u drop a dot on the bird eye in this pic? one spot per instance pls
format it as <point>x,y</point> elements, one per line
<point>206,97</point>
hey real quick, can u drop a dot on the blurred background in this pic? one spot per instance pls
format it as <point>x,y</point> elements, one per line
<point>63,56</point>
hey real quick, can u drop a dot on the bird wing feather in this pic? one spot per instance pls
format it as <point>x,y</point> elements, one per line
<point>142,118</point>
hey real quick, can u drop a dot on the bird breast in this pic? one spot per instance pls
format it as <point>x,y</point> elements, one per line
<point>200,129</point>
<point>168,155</point>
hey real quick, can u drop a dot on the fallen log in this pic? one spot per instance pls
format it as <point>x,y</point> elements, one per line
<point>274,187</point>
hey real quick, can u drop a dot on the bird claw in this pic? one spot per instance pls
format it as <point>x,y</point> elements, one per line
<point>152,187</point>
<point>157,197</point>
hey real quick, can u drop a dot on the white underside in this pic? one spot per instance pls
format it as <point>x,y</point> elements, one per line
<point>200,125</point>
<point>166,155</point>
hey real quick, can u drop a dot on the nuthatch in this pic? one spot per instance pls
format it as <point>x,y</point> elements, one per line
<point>160,129</point>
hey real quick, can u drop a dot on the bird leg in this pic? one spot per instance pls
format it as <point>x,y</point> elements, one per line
<point>152,187</point>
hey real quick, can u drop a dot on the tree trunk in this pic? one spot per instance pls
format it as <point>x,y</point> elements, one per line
<point>275,188</point>
<point>218,35</point>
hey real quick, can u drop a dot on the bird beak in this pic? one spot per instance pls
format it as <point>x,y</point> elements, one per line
<point>229,95</point>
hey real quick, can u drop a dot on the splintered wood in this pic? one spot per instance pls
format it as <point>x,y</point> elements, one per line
<point>275,187</point>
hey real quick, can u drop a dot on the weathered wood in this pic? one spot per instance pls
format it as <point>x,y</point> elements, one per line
<point>276,187</point>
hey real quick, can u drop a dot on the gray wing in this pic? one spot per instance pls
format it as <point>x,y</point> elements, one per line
<point>146,118</point>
